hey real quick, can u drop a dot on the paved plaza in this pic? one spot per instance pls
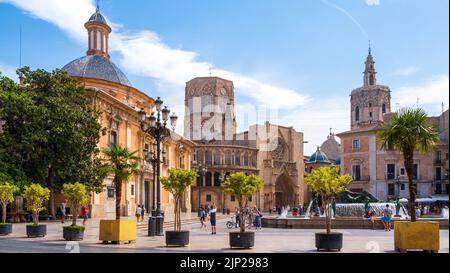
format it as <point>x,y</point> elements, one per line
<point>267,240</point>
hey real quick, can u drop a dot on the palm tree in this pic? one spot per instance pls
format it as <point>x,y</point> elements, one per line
<point>407,132</point>
<point>123,163</point>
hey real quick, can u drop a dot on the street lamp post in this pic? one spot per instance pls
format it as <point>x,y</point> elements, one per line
<point>156,128</point>
<point>150,157</point>
<point>201,170</point>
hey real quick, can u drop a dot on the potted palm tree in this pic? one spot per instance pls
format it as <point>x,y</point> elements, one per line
<point>6,196</point>
<point>242,186</point>
<point>35,195</point>
<point>408,132</point>
<point>76,194</point>
<point>123,164</point>
<point>327,183</point>
<point>177,182</point>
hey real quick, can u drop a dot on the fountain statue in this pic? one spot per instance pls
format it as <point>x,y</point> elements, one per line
<point>348,196</point>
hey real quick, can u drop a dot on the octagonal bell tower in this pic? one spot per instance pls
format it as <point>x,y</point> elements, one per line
<point>370,102</point>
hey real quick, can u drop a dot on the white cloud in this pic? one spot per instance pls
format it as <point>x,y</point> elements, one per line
<point>316,119</point>
<point>430,95</point>
<point>373,2</point>
<point>406,71</point>
<point>143,53</point>
<point>8,71</point>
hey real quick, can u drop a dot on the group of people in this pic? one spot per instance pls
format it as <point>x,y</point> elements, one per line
<point>211,211</point>
<point>424,210</point>
<point>386,217</point>
<point>140,213</point>
<point>251,216</point>
<point>63,212</point>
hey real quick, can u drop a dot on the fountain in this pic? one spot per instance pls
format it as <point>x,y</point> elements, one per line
<point>283,215</point>
<point>444,213</point>
<point>358,209</point>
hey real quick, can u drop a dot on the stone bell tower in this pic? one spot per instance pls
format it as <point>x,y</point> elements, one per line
<point>209,104</point>
<point>371,101</point>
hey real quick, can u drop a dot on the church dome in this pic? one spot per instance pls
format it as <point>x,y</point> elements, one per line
<point>331,148</point>
<point>319,157</point>
<point>97,67</point>
<point>97,17</point>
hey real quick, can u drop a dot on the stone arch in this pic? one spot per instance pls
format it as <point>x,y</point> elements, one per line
<point>284,190</point>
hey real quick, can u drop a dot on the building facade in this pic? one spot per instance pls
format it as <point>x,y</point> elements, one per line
<point>274,153</point>
<point>380,171</point>
<point>119,102</point>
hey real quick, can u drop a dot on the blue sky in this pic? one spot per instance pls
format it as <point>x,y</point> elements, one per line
<point>302,57</point>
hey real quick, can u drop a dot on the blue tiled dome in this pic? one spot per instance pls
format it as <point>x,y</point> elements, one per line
<point>97,67</point>
<point>98,17</point>
<point>319,157</point>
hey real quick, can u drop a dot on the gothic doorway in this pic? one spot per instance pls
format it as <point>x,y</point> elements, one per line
<point>284,191</point>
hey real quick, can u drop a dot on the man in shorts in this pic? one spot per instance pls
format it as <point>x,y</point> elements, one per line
<point>387,218</point>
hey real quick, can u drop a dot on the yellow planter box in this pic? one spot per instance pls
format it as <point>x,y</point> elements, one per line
<point>118,231</point>
<point>423,235</point>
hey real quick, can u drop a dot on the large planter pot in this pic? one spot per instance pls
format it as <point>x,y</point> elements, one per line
<point>5,229</point>
<point>423,235</point>
<point>36,231</point>
<point>332,241</point>
<point>177,238</point>
<point>73,234</point>
<point>117,231</point>
<point>242,239</point>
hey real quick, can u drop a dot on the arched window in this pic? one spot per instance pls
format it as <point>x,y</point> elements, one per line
<point>217,179</point>
<point>91,40</point>
<point>99,41</point>
<point>208,158</point>
<point>228,158</point>
<point>237,158</point>
<point>357,113</point>
<point>217,157</point>
<point>246,159</point>
<point>371,80</point>
<point>208,179</point>
<point>383,108</point>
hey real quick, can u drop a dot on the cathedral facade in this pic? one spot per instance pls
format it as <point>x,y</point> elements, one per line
<point>274,153</point>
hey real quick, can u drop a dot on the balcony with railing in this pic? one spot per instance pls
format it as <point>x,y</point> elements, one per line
<point>361,178</point>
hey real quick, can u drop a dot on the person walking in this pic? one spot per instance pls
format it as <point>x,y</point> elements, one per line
<point>202,215</point>
<point>237,214</point>
<point>138,212</point>
<point>63,210</point>
<point>143,211</point>
<point>212,218</point>
<point>84,214</point>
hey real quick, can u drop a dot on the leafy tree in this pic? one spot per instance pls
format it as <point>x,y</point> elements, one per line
<point>177,183</point>
<point>407,132</point>
<point>77,196</point>
<point>6,196</point>
<point>242,186</point>
<point>123,164</point>
<point>35,195</point>
<point>50,129</point>
<point>326,182</point>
